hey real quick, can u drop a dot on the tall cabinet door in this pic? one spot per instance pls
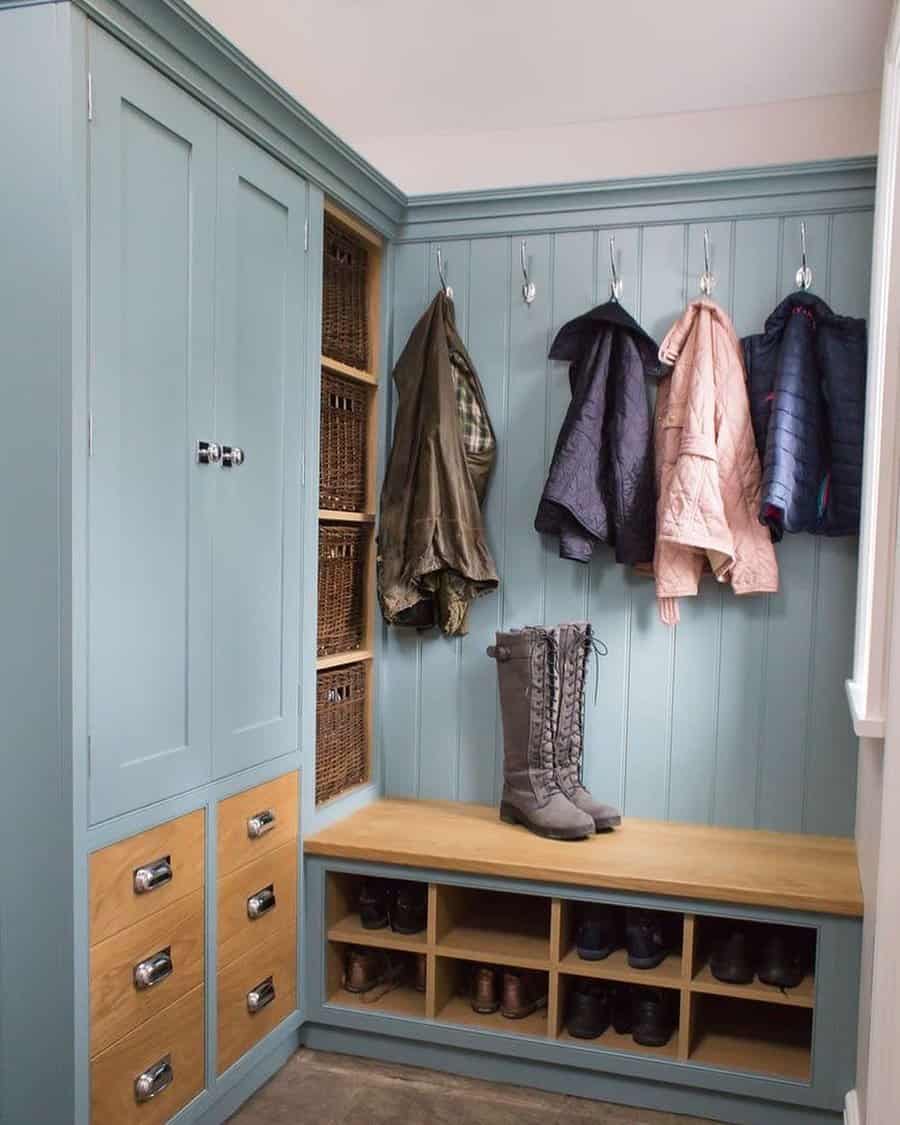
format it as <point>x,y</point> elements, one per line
<point>152,230</point>
<point>261,315</point>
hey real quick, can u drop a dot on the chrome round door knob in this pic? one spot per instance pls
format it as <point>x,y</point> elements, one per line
<point>232,456</point>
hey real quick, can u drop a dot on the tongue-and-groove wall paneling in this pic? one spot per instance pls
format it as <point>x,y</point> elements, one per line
<point>736,717</point>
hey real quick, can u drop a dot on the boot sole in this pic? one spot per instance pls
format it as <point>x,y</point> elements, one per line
<point>645,962</point>
<point>594,954</point>
<point>521,1013</point>
<point>607,823</point>
<point>511,815</point>
<point>651,1040</point>
<point>586,1033</point>
<point>484,1010</point>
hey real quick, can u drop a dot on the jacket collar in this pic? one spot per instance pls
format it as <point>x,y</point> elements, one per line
<point>573,337</point>
<point>779,317</point>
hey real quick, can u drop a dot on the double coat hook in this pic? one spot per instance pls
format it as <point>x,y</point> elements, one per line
<point>804,277</point>
<point>707,278</point>
<point>616,285</point>
<point>448,292</point>
<point>529,289</point>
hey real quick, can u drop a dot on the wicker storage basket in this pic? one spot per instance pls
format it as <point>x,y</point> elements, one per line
<point>342,579</point>
<point>341,751</point>
<point>342,444</point>
<point>345,314</point>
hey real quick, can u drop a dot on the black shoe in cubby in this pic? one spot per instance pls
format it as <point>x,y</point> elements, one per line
<point>598,931</point>
<point>652,1017</point>
<point>588,1011</point>
<point>409,910</point>
<point>783,958</point>
<point>620,1008</point>
<point>374,903</point>
<point>645,939</point>
<point>732,959</point>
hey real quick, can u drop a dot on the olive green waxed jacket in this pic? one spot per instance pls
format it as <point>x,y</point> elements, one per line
<point>433,559</point>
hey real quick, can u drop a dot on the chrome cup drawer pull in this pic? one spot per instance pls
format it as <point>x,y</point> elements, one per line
<point>154,1080</point>
<point>151,876</point>
<point>154,970</point>
<point>261,996</point>
<point>261,903</point>
<point>260,824</point>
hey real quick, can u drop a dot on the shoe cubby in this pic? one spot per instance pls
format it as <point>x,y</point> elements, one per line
<point>344,924</point>
<point>617,965</point>
<point>746,1036</point>
<point>610,1039</point>
<point>453,990</point>
<point>495,927</point>
<point>395,996</point>
<point>743,949</point>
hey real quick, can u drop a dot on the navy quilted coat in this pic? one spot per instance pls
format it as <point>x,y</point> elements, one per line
<point>601,484</point>
<point>807,384</point>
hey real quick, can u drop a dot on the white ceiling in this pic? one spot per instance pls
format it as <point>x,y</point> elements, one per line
<point>412,68</point>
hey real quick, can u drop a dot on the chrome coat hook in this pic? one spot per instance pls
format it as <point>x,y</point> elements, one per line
<point>707,278</point>
<point>616,285</point>
<point>529,289</point>
<point>803,277</point>
<point>448,292</point>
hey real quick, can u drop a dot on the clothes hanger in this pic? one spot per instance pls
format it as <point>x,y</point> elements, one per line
<point>616,285</point>
<point>448,292</point>
<point>804,276</point>
<point>707,278</point>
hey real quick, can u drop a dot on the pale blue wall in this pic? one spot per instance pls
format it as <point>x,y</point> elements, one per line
<point>736,717</point>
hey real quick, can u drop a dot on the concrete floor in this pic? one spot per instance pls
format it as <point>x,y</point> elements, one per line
<point>339,1090</point>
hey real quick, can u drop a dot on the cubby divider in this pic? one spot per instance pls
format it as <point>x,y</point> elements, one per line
<point>732,1027</point>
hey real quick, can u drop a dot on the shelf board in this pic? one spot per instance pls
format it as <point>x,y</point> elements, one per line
<point>616,967</point>
<point>339,659</point>
<point>403,1001</point>
<point>458,1010</point>
<point>734,1050</point>
<point>352,931</point>
<point>329,515</point>
<point>611,1041</point>
<point>803,996</point>
<point>497,945</point>
<point>337,368</point>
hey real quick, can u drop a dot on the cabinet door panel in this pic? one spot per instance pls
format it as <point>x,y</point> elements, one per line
<point>260,318</point>
<point>152,215</point>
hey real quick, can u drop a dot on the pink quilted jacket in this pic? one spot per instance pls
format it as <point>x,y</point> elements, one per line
<point>707,467</point>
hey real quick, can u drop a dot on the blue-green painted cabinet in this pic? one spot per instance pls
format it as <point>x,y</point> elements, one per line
<point>197,296</point>
<point>152,205</point>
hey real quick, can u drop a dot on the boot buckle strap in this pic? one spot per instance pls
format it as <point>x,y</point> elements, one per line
<point>499,652</point>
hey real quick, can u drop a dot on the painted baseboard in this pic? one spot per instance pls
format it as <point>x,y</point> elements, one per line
<point>851,1109</point>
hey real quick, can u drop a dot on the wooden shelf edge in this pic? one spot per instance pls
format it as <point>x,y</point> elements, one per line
<point>666,975</point>
<point>377,939</point>
<point>492,957</point>
<point>332,515</point>
<point>339,659</point>
<point>337,368</point>
<point>705,984</point>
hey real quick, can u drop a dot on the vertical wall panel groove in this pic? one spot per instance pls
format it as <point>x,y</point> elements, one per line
<point>738,716</point>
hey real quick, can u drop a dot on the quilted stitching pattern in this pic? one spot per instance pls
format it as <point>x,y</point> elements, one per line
<point>708,474</point>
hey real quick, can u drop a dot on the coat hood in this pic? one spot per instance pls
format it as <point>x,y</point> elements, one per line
<point>575,336</point>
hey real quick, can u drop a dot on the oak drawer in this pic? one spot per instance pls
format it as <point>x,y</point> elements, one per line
<point>239,1028</point>
<point>168,947</point>
<point>114,901</point>
<point>176,1035</point>
<point>275,875</point>
<point>237,842</point>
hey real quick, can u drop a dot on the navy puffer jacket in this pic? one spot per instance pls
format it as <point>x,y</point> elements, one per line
<point>807,384</point>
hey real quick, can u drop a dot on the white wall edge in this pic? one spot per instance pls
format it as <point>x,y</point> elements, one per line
<point>851,1109</point>
<point>864,725</point>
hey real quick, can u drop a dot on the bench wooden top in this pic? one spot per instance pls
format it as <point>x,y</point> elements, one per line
<point>785,871</point>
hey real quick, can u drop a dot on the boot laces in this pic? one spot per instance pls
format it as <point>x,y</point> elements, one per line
<point>591,644</point>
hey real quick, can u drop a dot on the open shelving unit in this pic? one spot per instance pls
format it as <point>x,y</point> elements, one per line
<point>753,1029</point>
<point>356,519</point>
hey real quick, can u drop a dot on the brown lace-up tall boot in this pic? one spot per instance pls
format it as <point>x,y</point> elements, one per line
<point>528,677</point>
<point>575,644</point>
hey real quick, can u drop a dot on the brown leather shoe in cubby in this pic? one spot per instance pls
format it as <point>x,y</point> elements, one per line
<point>485,999</point>
<point>523,993</point>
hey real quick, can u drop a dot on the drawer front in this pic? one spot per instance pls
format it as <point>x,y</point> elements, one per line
<point>275,875</point>
<point>239,1028</point>
<point>167,860</point>
<point>142,970</point>
<point>176,1035</point>
<point>270,809</point>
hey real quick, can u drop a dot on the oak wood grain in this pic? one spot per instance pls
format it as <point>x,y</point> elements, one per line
<point>238,933</point>
<point>113,902</point>
<point>234,847</point>
<point>117,1007</point>
<point>780,870</point>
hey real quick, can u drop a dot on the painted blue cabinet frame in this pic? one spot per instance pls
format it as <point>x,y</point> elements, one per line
<point>686,1087</point>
